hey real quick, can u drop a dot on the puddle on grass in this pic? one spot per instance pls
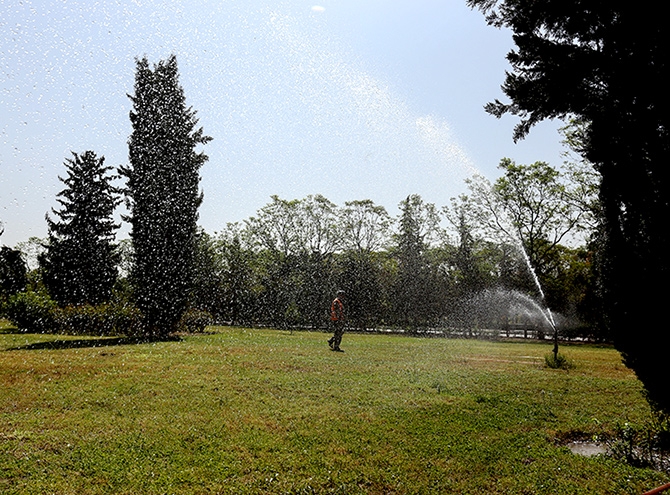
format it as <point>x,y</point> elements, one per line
<point>586,449</point>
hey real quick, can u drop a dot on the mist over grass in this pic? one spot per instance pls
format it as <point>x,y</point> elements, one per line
<point>265,411</point>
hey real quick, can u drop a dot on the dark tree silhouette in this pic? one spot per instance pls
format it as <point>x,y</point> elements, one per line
<point>79,265</point>
<point>238,277</point>
<point>414,293</point>
<point>163,194</point>
<point>361,279</point>
<point>13,272</point>
<point>606,64</point>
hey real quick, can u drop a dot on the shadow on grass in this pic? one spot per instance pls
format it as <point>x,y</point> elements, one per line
<point>92,342</point>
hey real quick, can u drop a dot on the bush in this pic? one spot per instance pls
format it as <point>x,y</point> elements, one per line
<point>32,312</point>
<point>84,320</point>
<point>127,319</point>
<point>643,446</point>
<point>195,321</point>
<point>558,362</point>
<point>36,313</point>
<point>105,319</point>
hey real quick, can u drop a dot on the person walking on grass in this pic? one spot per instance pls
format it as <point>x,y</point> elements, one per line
<point>337,319</point>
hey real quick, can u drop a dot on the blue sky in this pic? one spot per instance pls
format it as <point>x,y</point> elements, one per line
<point>351,99</point>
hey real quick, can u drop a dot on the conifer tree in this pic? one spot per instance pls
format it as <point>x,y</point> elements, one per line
<point>79,265</point>
<point>162,194</point>
<point>415,292</point>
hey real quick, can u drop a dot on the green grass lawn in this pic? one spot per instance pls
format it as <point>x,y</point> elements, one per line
<point>265,411</point>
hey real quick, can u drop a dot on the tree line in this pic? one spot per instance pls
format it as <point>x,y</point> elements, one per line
<point>461,267</point>
<point>494,257</point>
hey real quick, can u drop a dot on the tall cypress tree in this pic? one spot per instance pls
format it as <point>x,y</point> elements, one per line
<point>79,265</point>
<point>162,193</point>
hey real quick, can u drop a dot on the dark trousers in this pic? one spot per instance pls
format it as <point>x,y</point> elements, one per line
<point>338,330</point>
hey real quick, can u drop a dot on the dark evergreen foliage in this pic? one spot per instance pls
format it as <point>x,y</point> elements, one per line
<point>79,265</point>
<point>13,272</point>
<point>360,276</point>
<point>469,274</point>
<point>239,278</point>
<point>315,287</point>
<point>606,63</point>
<point>208,285</point>
<point>277,298</point>
<point>163,194</point>
<point>414,302</point>
<point>223,280</point>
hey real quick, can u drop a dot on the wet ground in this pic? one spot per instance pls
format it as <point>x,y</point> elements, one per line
<point>587,449</point>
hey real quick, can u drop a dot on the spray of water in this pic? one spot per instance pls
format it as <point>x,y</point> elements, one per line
<point>546,311</point>
<point>498,308</point>
<point>292,108</point>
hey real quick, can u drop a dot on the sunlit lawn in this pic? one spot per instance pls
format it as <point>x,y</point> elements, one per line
<point>265,411</point>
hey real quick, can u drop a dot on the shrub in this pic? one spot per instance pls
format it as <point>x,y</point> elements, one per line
<point>83,320</point>
<point>559,361</point>
<point>127,319</point>
<point>105,319</point>
<point>643,446</point>
<point>35,312</point>
<point>195,321</point>
<point>32,312</point>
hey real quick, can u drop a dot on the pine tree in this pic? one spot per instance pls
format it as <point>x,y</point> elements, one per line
<point>415,292</point>
<point>162,194</point>
<point>79,265</point>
